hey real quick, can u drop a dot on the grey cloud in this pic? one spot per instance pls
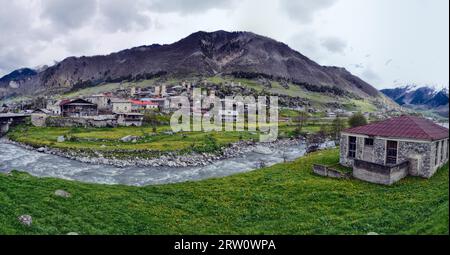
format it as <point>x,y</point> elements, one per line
<point>371,75</point>
<point>17,37</point>
<point>189,6</point>
<point>334,44</point>
<point>68,14</point>
<point>306,43</point>
<point>119,15</point>
<point>11,59</point>
<point>304,10</point>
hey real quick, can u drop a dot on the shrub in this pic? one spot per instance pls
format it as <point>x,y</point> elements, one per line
<point>357,120</point>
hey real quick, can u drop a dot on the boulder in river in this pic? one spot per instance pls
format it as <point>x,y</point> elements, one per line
<point>263,150</point>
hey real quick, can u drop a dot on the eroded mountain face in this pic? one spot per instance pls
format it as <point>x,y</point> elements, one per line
<point>242,54</point>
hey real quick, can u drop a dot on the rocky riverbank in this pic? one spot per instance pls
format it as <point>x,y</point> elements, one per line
<point>168,159</point>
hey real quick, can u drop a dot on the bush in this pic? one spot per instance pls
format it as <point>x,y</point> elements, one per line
<point>357,120</point>
<point>210,145</point>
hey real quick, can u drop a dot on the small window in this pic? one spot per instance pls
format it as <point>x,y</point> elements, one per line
<point>391,153</point>
<point>368,141</point>
<point>442,151</point>
<point>352,147</point>
<point>436,156</point>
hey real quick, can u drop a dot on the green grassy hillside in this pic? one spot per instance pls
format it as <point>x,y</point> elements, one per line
<point>283,199</point>
<point>316,99</point>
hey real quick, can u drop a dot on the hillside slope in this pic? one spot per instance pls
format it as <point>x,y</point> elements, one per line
<point>242,54</point>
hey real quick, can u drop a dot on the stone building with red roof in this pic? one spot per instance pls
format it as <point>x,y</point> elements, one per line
<point>387,151</point>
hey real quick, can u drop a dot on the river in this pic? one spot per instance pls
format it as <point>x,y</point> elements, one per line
<point>45,165</point>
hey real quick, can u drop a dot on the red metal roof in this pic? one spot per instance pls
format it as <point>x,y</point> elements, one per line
<point>403,127</point>
<point>139,102</point>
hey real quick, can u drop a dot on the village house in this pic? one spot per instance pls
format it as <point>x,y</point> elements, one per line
<point>54,106</point>
<point>39,116</point>
<point>139,106</point>
<point>163,103</point>
<point>129,119</point>
<point>103,101</point>
<point>78,108</point>
<point>121,105</point>
<point>387,151</point>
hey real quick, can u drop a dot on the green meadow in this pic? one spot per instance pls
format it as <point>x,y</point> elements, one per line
<point>283,199</point>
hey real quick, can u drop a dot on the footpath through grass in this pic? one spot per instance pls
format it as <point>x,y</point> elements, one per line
<point>283,199</point>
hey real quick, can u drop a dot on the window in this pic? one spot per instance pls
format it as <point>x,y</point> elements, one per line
<point>442,151</point>
<point>391,153</point>
<point>437,154</point>
<point>352,147</point>
<point>368,141</point>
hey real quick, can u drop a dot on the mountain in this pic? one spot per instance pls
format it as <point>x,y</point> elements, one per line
<point>420,98</point>
<point>20,74</point>
<point>241,54</point>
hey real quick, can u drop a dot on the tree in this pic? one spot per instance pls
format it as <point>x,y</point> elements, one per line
<point>357,120</point>
<point>300,121</point>
<point>337,126</point>
<point>150,119</point>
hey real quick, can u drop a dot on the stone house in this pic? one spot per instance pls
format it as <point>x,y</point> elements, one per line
<point>129,119</point>
<point>102,101</point>
<point>39,116</point>
<point>78,108</point>
<point>121,105</point>
<point>54,106</point>
<point>140,106</point>
<point>163,103</point>
<point>387,151</point>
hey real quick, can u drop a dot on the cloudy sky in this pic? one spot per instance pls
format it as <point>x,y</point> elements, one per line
<point>386,42</point>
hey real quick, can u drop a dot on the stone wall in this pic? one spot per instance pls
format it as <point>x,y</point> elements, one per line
<point>379,146</point>
<point>378,150</point>
<point>329,172</point>
<point>79,122</point>
<point>343,156</point>
<point>419,151</point>
<point>38,120</point>
<point>441,160</point>
<point>380,174</point>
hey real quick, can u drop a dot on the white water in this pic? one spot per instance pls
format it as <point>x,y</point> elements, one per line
<point>38,164</point>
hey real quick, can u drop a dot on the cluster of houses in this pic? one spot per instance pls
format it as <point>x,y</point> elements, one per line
<point>124,107</point>
<point>106,109</point>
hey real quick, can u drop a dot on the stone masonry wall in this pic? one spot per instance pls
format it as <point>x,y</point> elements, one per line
<point>420,151</point>
<point>379,151</point>
<point>343,159</point>
<point>79,122</point>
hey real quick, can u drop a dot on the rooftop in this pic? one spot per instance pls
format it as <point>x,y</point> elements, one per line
<point>403,127</point>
